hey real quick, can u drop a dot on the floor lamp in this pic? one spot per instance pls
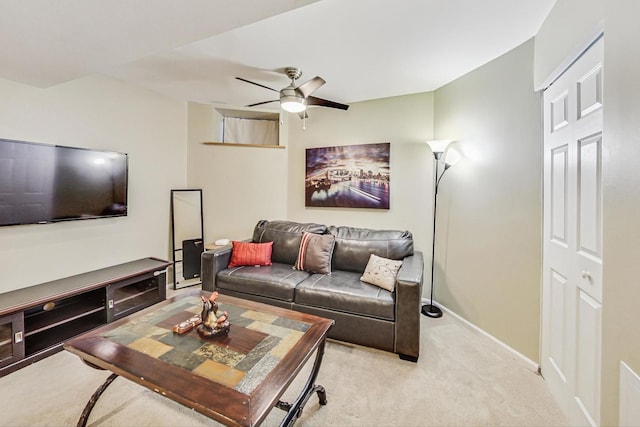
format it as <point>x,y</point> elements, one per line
<point>438,147</point>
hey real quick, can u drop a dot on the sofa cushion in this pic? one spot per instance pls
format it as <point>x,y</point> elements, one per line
<point>244,253</point>
<point>315,253</point>
<point>355,245</point>
<point>381,272</point>
<point>276,281</point>
<point>343,291</point>
<point>286,237</point>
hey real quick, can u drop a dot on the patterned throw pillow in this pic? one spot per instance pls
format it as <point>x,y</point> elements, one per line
<point>381,272</point>
<point>315,253</point>
<point>244,253</point>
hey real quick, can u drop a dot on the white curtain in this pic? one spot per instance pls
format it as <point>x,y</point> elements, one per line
<point>250,131</point>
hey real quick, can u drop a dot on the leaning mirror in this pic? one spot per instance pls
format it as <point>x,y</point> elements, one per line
<point>187,231</point>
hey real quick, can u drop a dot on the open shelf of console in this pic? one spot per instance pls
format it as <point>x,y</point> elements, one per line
<point>36,321</point>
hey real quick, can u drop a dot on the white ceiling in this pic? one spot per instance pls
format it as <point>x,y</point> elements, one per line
<point>191,50</point>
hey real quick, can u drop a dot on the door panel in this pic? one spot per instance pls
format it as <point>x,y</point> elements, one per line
<point>588,360</point>
<point>558,199</point>
<point>560,112</point>
<point>590,92</point>
<point>558,332</point>
<point>589,195</point>
<point>589,248</point>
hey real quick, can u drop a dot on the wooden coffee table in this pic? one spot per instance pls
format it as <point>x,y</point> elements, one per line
<point>235,379</point>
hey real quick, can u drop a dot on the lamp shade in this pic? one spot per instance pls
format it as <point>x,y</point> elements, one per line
<point>292,104</point>
<point>452,157</point>
<point>438,145</point>
<point>292,100</point>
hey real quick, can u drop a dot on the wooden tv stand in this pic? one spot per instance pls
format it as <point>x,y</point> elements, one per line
<point>37,320</point>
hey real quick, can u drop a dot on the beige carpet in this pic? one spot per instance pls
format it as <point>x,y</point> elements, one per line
<point>461,379</point>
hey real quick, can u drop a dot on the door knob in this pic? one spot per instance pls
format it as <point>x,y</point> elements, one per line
<point>585,275</point>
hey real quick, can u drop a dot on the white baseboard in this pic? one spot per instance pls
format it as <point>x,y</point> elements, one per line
<point>532,365</point>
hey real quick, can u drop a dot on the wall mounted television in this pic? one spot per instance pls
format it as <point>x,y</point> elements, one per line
<point>41,183</point>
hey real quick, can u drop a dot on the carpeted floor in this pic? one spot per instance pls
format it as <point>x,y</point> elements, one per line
<point>462,379</point>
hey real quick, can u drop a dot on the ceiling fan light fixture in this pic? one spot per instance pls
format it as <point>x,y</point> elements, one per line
<point>293,104</point>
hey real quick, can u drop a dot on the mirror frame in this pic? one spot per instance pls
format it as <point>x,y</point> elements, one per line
<point>174,249</point>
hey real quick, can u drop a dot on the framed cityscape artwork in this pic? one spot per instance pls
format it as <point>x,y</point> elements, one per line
<point>350,176</point>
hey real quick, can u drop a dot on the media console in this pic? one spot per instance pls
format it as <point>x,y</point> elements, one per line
<point>37,320</point>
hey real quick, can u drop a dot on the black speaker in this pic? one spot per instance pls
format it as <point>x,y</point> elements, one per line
<point>191,251</point>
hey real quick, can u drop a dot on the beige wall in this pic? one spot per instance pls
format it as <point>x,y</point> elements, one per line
<point>405,122</point>
<point>566,32</point>
<point>488,243</point>
<point>621,212</point>
<point>240,185</point>
<point>101,113</point>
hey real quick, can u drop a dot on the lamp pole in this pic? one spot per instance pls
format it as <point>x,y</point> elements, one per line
<point>438,147</point>
<point>431,309</point>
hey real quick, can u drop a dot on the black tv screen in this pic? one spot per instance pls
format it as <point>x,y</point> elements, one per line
<point>46,183</point>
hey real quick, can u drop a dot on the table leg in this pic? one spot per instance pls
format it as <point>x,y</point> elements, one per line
<point>82,422</point>
<point>294,410</point>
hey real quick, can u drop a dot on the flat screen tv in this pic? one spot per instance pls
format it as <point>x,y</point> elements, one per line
<point>41,183</point>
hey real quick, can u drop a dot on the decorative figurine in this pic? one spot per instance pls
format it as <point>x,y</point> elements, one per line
<point>212,324</point>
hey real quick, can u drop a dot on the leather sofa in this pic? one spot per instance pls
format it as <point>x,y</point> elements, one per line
<point>364,314</point>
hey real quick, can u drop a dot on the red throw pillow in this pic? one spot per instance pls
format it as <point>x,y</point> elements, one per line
<point>244,253</point>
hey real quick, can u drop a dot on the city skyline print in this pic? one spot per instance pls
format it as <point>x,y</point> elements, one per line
<point>349,176</point>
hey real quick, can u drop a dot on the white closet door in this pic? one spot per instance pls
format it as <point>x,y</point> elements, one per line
<point>572,240</point>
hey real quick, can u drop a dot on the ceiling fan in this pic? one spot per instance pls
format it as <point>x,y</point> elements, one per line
<point>296,99</point>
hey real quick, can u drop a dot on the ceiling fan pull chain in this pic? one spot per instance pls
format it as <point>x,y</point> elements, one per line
<point>304,122</point>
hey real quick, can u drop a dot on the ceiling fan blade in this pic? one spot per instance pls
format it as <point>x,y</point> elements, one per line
<point>264,102</point>
<point>257,84</point>
<point>308,87</point>
<point>312,100</point>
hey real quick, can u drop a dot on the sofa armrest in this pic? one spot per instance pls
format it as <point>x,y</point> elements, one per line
<point>408,303</point>
<point>211,263</point>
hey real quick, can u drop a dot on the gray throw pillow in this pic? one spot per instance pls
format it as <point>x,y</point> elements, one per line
<point>315,253</point>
